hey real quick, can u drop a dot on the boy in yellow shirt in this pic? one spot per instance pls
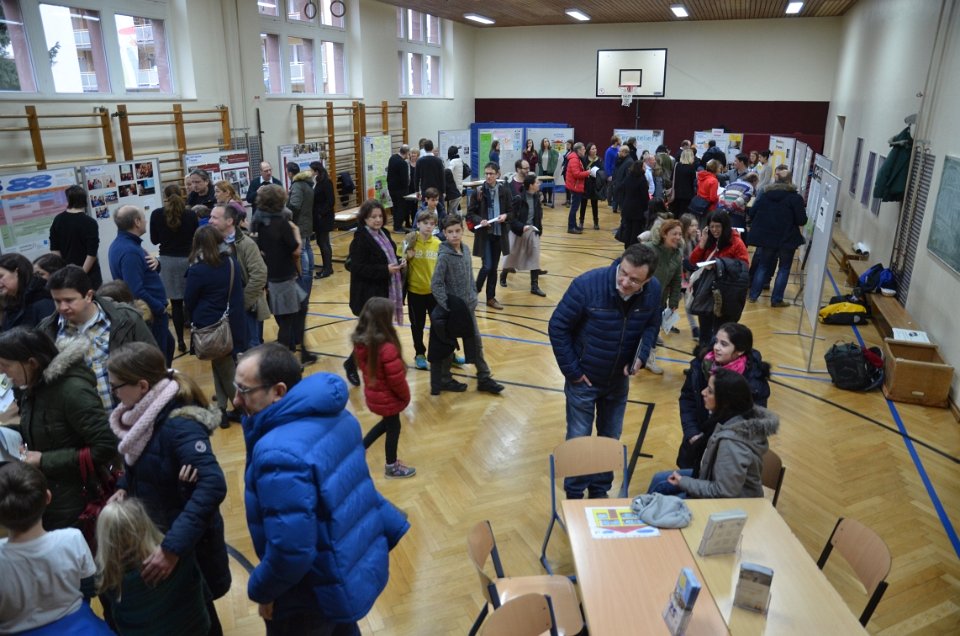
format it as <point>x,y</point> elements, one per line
<point>420,249</point>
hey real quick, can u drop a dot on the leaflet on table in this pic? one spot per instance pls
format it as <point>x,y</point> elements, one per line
<point>753,587</point>
<point>28,203</point>
<point>679,608</point>
<point>909,335</point>
<point>619,522</point>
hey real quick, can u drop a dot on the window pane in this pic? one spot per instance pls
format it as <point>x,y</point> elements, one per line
<point>414,26</point>
<point>270,48</point>
<point>302,11</point>
<point>16,72</point>
<point>75,44</point>
<point>327,17</point>
<point>431,75</point>
<point>433,29</point>
<point>302,79</point>
<point>415,73</point>
<point>400,30</point>
<point>334,75</point>
<point>268,7</point>
<point>143,55</point>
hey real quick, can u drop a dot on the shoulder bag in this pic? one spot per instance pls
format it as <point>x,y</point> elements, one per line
<point>97,486</point>
<point>216,340</point>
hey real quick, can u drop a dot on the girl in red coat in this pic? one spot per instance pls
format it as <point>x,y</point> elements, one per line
<point>376,348</point>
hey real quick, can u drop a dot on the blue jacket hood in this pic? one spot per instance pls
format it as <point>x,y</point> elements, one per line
<point>320,394</point>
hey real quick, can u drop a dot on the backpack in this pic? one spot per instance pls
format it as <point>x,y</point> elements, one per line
<point>853,368</point>
<point>467,170</point>
<point>844,313</point>
<point>876,277</point>
<point>563,168</point>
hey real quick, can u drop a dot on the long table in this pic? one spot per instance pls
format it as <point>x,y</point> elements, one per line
<point>625,583</point>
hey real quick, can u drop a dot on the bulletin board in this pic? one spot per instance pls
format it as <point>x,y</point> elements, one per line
<point>558,139</point>
<point>512,137</point>
<point>28,203</point>
<point>729,143</point>
<point>800,171</point>
<point>223,165</point>
<point>944,239</point>
<point>302,155</point>
<point>458,138</point>
<point>781,150</point>
<point>646,139</point>
<point>376,155</point>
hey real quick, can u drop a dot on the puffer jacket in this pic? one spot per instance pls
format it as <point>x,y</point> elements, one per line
<point>189,517</point>
<point>733,459</point>
<point>708,187</point>
<point>319,526</point>
<point>736,249</point>
<point>301,202</point>
<point>386,390</point>
<point>595,333</point>
<point>58,416</point>
<point>576,178</point>
<point>776,217</point>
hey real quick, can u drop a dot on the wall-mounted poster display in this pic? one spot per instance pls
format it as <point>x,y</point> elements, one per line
<point>376,155</point>
<point>646,139</point>
<point>302,155</point>
<point>223,165</point>
<point>782,150</point>
<point>28,203</point>
<point>458,138</point>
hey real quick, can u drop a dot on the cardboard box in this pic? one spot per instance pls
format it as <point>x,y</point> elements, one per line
<point>915,373</point>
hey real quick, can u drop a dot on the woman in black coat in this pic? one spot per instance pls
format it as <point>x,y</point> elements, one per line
<point>323,216</point>
<point>24,299</point>
<point>684,182</point>
<point>164,425</point>
<point>635,199</point>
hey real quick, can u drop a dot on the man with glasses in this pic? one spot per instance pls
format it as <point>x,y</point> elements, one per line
<point>488,216</point>
<point>601,333</point>
<point>319,526</point>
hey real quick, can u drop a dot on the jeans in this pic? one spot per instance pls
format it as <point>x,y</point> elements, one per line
<point>660,484</point>
<point>608,403</point>
<point>306,267</point>
<point>575,198</point>
<point>254,330</point>
<point>766,258</point>
<point>490,260</point>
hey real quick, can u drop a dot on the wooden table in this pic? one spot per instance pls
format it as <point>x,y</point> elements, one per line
<point>625,583</point>
<point>802,600</point>
<point>472,184</point>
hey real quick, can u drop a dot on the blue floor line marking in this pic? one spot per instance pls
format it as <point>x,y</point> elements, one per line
<point>917,462</point>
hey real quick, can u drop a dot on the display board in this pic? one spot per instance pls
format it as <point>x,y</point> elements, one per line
<point>823,210</point>
<point>28,203</point>
<point>223,165</point>
<point>782,150</point>
<point>730,143</point>
<point>458,138</point>
<point>808,163</point>
<point>646,139</point>
<point>798,171</point>
<point>944,240</point>
<point>511,147</point>
<point>558,139</point>
<point>302,155</point>
<point>820,164</point>
<point>376,155</point>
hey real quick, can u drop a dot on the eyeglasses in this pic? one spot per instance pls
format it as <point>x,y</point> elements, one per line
<point>633,282</point>
<point>116,387</point>
<point>244,390</point>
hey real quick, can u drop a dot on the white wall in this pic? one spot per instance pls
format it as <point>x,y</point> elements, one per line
<point>887,51</point>
<point>789,60</point>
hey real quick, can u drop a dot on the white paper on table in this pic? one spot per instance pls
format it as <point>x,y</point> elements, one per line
<point>909,335</point>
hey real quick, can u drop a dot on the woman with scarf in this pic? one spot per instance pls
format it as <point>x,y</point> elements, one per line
<point>374,270</point>
<point>164,424</point>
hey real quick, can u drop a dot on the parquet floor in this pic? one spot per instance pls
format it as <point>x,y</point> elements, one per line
<point>485,457</point>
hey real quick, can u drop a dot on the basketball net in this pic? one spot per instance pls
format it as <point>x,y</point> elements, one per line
<point>626,94</point>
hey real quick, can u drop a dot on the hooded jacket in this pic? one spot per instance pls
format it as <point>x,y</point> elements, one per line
<point>301,202</point>
<point>576,177</point>
<point>733,459</point>
<point>319,526</point>
<point>776,217</point>
<point>385,388</point>
<point>708,187</point>
<point>668,269</point>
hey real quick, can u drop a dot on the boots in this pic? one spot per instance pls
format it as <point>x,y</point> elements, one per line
<point>534,287</point>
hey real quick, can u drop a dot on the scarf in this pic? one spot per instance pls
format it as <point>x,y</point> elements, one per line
<point>134,425</point>
<point>739,365</point>
<point>396,283</point>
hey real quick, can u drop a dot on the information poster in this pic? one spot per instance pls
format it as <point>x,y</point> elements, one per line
<point>376,155</point>
<point>729,143</point>
<point>223,165</point>
<point>511,147</point>
<point>302,155</point>
<point>617,523</point>
<point>646,139</point>
<point>800,171</point>
<point>558,141</point>
<point>781,150</point>
<point>28,203</point>
<point>458,138</point>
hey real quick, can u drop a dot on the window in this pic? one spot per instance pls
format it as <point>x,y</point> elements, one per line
<point>16,70</point>
<point>143,53</point>
<point>77,57</point>
<point>292,54</point>
<point>420,53</point>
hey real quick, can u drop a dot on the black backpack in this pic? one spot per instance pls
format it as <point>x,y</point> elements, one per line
<point>467,170</point>
<point>852,369</point>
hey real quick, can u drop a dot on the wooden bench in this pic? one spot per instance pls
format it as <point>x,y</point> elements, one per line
<point>842,249</point>
<point>888,314</point>
<point>346,218</point>
<point>855,269</point>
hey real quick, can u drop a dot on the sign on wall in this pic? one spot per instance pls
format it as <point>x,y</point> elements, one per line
<point>28,203</point>
<point>223,165</point>
<point>646,139</point>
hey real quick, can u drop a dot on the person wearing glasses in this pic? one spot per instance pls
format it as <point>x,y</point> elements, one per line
<point>321,530</point>
<point>601,333</point>
<point>164,422</point>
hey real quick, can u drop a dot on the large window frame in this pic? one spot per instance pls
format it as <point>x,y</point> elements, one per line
<point>302,57</point>
<point>420,54</point>
<point>110,81</point>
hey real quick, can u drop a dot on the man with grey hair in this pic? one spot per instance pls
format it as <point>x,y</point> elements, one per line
<point>398,185</point>
<point>132,264</point>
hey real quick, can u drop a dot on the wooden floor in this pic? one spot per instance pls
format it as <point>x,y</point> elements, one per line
<point>484,457</point>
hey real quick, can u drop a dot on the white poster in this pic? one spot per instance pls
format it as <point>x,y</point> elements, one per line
<point>458,138</point>
<point>646,139</point>
<point>781,150</point>
<point>302,155</point>
<point>376,155</point>
<point>223,165</point>
<point>728,143</point>
<point>28,203</point>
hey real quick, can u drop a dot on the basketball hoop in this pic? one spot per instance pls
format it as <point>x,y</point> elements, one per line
<point>627,91</point>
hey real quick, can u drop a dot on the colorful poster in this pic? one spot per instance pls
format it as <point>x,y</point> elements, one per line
<point>28,203</point>
<point>511,147</point>
<point>223,165</point>
<point>781,150</point>
<point>617,523</point>
<point>729,143</point>
<point>376,155</point>
<point>302,155</point>
<point>646,139</point>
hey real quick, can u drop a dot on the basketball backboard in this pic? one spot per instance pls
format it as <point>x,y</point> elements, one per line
<point>644,68</point>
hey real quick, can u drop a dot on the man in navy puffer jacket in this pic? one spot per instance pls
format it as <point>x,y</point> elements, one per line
<point>601,333</point>
<point>319,526</point>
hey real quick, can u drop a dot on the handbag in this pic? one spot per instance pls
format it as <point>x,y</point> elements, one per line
<point>96,487</point>
<point>698,205</point>
<point>216,340</point>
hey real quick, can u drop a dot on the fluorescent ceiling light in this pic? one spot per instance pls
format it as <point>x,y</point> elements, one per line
<point>680,11</point>
<point>577,14</point>
<point>794,8</point>
<point>478,18</point>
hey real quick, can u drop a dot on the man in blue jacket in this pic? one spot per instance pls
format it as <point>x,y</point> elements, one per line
<point>319,526</point>
<point>601,333</point>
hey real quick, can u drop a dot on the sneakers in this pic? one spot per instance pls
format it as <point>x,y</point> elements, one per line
<point>489,385</point>
<point>493,303</point>
<point>653,367</point>
<point>450,385</point>
<point>459,361</point>
<point>398,470</point>
<point>421,362</point>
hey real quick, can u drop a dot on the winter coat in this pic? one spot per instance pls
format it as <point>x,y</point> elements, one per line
<point>128,263</point>
<point>736,249</point>
<point>385,389</point>
<point>694,417</point>
<point>776,217</point>
<point>59,415</point>
<point>321,530</point>
<point>519,220</point>
<point>668,272</point>
<point>590,182</point>
<point>713,153</point>
<point>685,179</point>
<point>254,271</point>
<point>595,333</point>
<point>733,459</point>
<point>188,516</point>
<point>634,196</point>
<point>323,201</point>
<point>453,276</point>
<point>575,181</point>
<point>620,175</point>
<point>207,294</point>
<point>708,187</point>
<point>34,306</point>
<point>369,276</point>
<point>478,210</point>
<point>891,182</point>
<point>301,203</point>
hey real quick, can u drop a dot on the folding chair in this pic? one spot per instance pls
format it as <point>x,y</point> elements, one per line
<point>574,458</point>
<point>772,474</point>
<point>500,590</point>
<point>527,615</point>
<point>866,553</point>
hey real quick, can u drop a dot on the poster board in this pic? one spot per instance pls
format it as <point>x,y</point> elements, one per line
<point>944,240</point>
<point>808,163</point>
<point>782,150</point>
<point>112,185</point>
<point>558,139</point>
<point>223,165</point>
<point>729,143</point>
<point>376,155</point>
<point>823,209</point>
<point>646,139</point>
<point>511,147</point>
<point>458,138</point>
<point>820,164</point>
<point>28,203</point>
<point>799,172</point>
<point>302,155</point>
